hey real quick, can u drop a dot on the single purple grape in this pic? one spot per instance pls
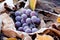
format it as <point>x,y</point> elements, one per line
<point>18,18</point>
<point>34,29</point>
<point>23,21</point>
<point>23,11</point>
<point>38,21</point>
<point>33,13</point>
<point>24,16</point>
<point>18,24</point>
<point>28,11</point>
<point>24,24</point>
<point>28,20</point>
<point>20,29</point>
<point>25,28</point>
<point>17,13</point>
<point>28,30</point>
<point>33,19</point>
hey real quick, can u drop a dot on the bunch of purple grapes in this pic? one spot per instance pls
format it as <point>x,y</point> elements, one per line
<point>26,20</point>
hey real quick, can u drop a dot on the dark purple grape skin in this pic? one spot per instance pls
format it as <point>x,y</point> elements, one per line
<point>33,19</point>
<point>28,30</point>
<point>38,21</point>
<point>18,18</point>
<point>24,24</point>
<point>34,30</point>
<point>25,28</point>
<point>24,16</point>
<point>20,29</point>
<point>33,13</point>
<point>17,13</point>
<point>28,20</point>
<point>28,11</point>
<point>23,21</point>
<point>17,24</point>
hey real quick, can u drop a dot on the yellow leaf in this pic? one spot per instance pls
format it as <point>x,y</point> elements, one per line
<point>58,19</point>
<point>11,39</point>
<point>33,4</point>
